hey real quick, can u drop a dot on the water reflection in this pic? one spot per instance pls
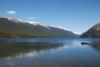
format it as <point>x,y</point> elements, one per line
<point>95,45</point>
<point>51,53</point>
<point>27,49</point>
<point>32,39</point>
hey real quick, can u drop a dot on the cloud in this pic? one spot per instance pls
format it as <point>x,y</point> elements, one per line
<point>31,18</point>
<point>11,12</point>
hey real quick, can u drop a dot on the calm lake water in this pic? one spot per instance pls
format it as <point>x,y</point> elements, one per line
<point>49,52</point>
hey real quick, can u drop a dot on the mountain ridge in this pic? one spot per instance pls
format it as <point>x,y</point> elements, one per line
<point>17,28</point>
<point>93,31</point>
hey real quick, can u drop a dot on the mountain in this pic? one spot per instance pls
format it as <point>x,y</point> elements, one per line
<point>93,31</point>
<point>17,28</point>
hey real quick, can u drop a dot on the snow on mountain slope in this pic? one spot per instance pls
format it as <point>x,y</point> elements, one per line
<point>26,28</point>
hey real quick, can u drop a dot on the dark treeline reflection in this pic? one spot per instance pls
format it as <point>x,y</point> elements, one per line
<point>50,53</point>
<point>96,45</point>
<point>14,49</point>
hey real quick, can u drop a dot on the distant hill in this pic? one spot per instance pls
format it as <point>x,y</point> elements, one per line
<point>16,28</point>
<point>93,31</point>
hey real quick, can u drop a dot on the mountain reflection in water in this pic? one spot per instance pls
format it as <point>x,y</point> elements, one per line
<point>95,45</point>
<point>50,52</point>
<point>26,49</point>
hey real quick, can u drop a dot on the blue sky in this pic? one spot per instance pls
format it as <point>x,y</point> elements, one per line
<point>74,15</point>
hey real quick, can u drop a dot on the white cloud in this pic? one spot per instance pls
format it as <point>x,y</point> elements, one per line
<point>12,12</point>
<point>31,18</point>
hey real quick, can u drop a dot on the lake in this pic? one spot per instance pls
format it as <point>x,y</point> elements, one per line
<point>49,52</point>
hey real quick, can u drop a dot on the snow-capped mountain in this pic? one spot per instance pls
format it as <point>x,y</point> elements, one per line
<point>93,31</point>
<point>20,28</point>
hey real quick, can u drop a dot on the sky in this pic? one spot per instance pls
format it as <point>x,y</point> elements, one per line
<point>73,15</point>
